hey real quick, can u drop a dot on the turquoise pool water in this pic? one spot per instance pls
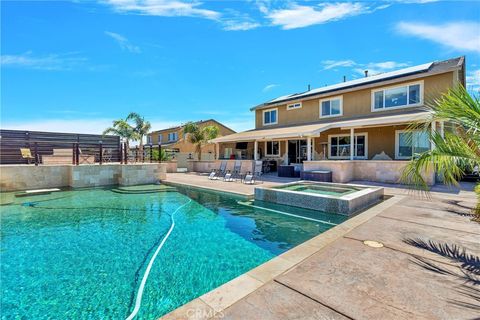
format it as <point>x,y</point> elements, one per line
<point>320,188</point>
<point>82,254</point>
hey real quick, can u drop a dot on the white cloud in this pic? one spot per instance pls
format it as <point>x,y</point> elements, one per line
<point>123,42</point>
<point>473,80</point>
<point>462,35</point>
<point>331,64</point>
<point>269,87</point>
<point>233,25</point>
<point>372,67</point>
<point>165,8</point>
<point>299,16</point>
<point>50,62</point>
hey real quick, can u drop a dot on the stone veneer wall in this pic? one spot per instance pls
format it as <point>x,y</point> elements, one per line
<point>208,165</point>
<point>386,171</point>
<point>24,177</point>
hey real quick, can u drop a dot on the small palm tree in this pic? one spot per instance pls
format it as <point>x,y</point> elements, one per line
<point>123,129</point>
<point>455,152</point>
<point>141,127</point>
<point>200,136</point>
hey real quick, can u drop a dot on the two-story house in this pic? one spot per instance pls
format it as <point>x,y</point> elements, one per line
<point>175,140</point>
<point>358,120</point>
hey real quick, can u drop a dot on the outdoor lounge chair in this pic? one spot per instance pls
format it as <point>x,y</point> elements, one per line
<point>26,154</point>
<point>235,173</point>
<point>218,173</point>
<point>252,178</point>
<point>107,155</point>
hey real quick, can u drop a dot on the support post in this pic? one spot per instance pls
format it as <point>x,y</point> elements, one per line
<point>101,152</point>
<point>77,154</point>
<point>74,153</point>
<point>217,151</point>
<point>352,143</point>
<point>125,153</point>
<point>255,150</point>
<point>442,129</point>
<point>309,149</point>
<point>120,152</point>
<point>151,153</point>
<point>313,149</point>
<point>35,153</point>
<point>286,152</point>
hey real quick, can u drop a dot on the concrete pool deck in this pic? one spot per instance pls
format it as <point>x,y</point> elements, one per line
<point>428,267</point>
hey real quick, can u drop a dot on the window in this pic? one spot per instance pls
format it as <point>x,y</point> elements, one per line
<point>408,144</point>
<point>292,106</point>
<point>331,107</point>
<point>270,117</point>
<point>160,138</point>
<point>397,97</point>
<point>272,148</point>
<point>149,139</point>
<point>173,136</point>
<point>340,146</point>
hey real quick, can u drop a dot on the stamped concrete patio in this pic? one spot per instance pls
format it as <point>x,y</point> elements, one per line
<point>428,268</point>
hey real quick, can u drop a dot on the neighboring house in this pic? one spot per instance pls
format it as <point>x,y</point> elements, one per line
<point>174,140</point>
<point>372,112</point>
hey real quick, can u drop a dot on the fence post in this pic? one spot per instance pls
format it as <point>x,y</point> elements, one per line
<point>151,153</point>
<point>35,153</point>
<point>136,154</point>
<point>74,151</point>
<point>101,151</point>
<point>120,152</point>
<point>159,152</point>
<point>77,154</point>
<point>125,153</point>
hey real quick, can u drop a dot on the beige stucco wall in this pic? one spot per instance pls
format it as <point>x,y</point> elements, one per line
<point>377,171</point>
<point>355,103</point>
<point>185,146</point>
<point>23,177</point>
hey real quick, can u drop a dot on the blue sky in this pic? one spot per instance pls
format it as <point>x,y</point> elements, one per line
<point>76,66</point>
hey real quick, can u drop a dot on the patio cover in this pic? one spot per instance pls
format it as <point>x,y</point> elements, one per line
<point>314,130</point>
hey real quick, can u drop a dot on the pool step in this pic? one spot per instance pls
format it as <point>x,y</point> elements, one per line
<point>250,204</point>
<point>36,192</point>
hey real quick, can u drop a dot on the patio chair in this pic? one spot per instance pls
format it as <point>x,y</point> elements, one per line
<point>220,172</point>
<point>236,173</point>
<point>107,155</point>
<point>252,178</point>
<point>26,154</point>
<point>85,158</point>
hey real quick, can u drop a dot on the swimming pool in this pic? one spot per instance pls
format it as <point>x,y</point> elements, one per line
<point>320,188</point>
<point>82,254</point>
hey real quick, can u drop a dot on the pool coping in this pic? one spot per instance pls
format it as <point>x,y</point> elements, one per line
<point>242,195</point>
<point>214,302</point>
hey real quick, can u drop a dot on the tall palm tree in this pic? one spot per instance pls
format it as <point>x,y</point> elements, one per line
<point>123,129</point>
<point>141,127</point>
<point>455,152</point>
<point>200,136</point>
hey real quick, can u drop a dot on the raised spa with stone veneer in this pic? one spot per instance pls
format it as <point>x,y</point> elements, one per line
<point>338,198</point>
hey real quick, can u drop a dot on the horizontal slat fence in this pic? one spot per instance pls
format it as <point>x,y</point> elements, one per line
<point>11,141</point>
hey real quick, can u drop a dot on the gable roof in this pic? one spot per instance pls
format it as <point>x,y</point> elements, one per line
<point>424,69</point>
<point>196,122</point>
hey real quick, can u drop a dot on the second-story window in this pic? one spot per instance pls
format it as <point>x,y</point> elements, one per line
<point>331,107</point>
<point>270,117</point>
<point>397,97</point>
<point>296,105</point>
<point>160,138</point>
<point>173,136</point>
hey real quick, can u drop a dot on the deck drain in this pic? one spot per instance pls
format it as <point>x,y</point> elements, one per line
<point>373,244</point>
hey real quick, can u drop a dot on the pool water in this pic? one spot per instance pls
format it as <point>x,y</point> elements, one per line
<point>318,188</point>
<point>81,254</point>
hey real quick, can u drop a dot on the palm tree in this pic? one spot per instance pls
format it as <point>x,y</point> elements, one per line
<point>123,129</point>
<point>200,136</point>
<point>141,127</point>
<point>455,152</point>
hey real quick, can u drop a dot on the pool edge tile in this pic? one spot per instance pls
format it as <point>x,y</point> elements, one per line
<point>193,310</point>
<point>227,294</point>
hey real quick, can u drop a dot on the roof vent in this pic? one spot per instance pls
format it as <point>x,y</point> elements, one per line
<point>344,79</point>
<point>308,88</point>
<point>366,73</point>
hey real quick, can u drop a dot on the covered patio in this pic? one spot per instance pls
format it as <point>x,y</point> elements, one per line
<point>372,149</point>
